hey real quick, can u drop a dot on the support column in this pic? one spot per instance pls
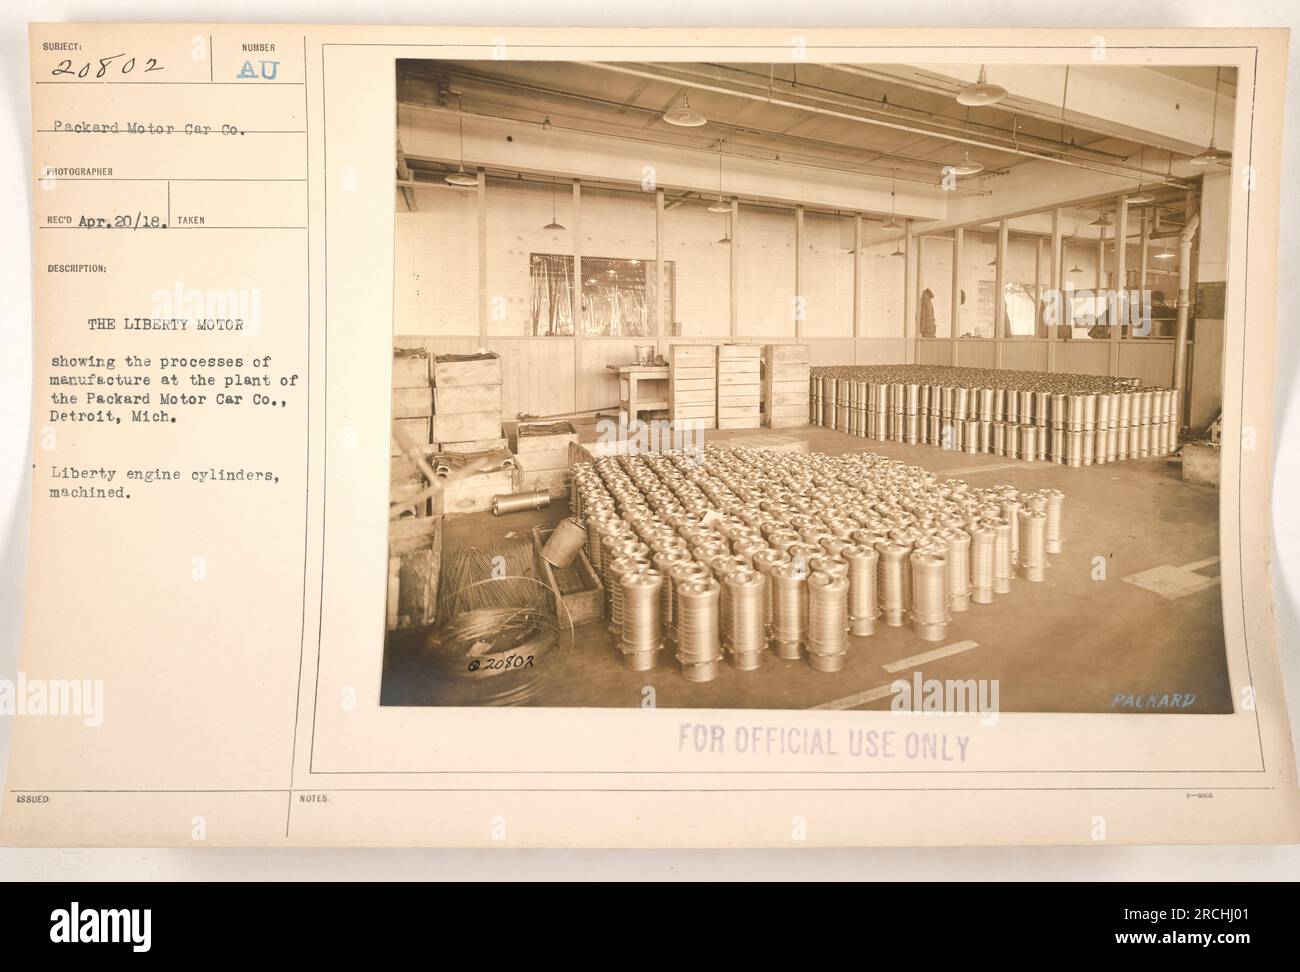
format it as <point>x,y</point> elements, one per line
<point>911,263</point>
<point>999,302</point>
<point>481,198</point>
<point>1058,273</point>
<point>733,264</point>
<point>857,281</point>
<point>800,305</point>
<point>662,327</point>
<point>958,243</point>
<point>576,297</point>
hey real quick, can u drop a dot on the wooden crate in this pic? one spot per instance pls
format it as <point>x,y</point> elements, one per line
<point>410,368</point>
<point>414,564</point>
<point>482,368</point>
<point>693,383</point>
<point>403,470</point>
<point>465,426</point>
<point>576,587</point>
<point>412,402</point>
<point>536,461</point>
<point>463,399</point>
<point>416,429</point>
<point>739,392</point>
<point>474,445</point>
<point>537,480</point>
<point>786,375</point>
<point>474,493</point>
<point>537,437</point>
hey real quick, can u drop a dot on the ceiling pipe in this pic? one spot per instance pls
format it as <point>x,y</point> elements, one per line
<point>850,116</point>
<point>1184,301</point>
<point>938,127</point>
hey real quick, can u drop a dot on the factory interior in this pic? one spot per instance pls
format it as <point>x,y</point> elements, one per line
<point>766,386</point>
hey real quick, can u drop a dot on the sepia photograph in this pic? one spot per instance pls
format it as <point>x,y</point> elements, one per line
<point>794,385</point>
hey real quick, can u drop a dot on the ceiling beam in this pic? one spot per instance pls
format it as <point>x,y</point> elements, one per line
<point>1132,103</point>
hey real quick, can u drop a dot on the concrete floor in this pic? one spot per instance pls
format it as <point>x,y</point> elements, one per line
<point>1070,644</point>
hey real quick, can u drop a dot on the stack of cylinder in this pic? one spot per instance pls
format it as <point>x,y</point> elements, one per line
<point>1075,420</point>
<point>730,553</point>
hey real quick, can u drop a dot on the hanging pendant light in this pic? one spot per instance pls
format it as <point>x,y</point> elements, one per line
<point>554,224</point>
<point>725,239</point>
<point>893,223</point>
<point>460,178</point>
<point>981,93</point>
<point>1165,254</point>
<point>683,115</point>
<point>898,252</point>
<point>966,167</point>
<point>1103,219</point>
<point>721,206</point>
<point>1213,155</point>
<point>1141,197</point>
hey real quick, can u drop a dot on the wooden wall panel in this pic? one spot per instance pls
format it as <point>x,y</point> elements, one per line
<point>597,385</point>
<point>880,351</point>
<point>1083,357</point>
<point>536,375</point>
<point>831,351</point>
<point>976,354</point>
<point>934,352</point>
<point>1024,355</point>
<point>1152,362</point>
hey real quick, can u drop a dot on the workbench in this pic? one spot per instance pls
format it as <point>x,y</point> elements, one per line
<point>632,398</point>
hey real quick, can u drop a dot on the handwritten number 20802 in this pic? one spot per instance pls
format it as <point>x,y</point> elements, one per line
<point>126,67</point>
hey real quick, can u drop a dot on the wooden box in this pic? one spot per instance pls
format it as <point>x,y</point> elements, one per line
<point>578,590</point>
<point>463,399</point>
<point>415,429</point>
<point>414,564</point>
<point>786,375</point>
<point>538,437</point>
<point>465,426</point>
<point>483,368</point>
<point>474,445</point>
<point>412,402</point>
<point>410,368</point>
<point>693,384</point>
<point>474,493</point>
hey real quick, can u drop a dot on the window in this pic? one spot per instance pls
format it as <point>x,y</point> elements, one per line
<point>617,296</point>
<point>1021,292</point>
<point>978,282</point>
<point>934,302</point>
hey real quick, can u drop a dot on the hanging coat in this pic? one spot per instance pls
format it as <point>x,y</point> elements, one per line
<point>925,314</point>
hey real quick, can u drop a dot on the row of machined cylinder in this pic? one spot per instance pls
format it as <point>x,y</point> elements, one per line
<point>748,552</point>
<point>1055,422</point>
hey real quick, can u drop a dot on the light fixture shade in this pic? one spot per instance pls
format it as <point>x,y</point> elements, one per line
<point>462,179</point>
<point>1165,255</point>
<point>898,252</point>
<point>981,93</point>
<point>553,225</point>
<point>724,240</point>
<point>966,167</point>
<point>684,116</point>
<point>1102,220</point>
<point>1076,269</point>
<point>891,224</point>
<point>721,206</point>
<point>1211,156</point>
<point>1141,198</point>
